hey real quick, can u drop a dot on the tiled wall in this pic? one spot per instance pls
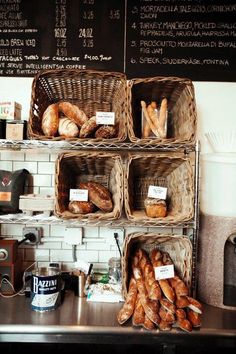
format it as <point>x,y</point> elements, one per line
<point>98,242</point>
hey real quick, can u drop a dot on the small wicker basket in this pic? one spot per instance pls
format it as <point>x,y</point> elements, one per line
<point>90,90</point>
<point>179,248</point>
<point>170,170</point>
<point>76,167</point>
<point>182,116</point>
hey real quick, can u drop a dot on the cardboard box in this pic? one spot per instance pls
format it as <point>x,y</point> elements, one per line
<point>10,110</point>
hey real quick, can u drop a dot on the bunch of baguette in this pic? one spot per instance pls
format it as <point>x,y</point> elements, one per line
<point>99,197</point>
<point>154,121</point>
<point>69,121</point>
<point>155,303</point>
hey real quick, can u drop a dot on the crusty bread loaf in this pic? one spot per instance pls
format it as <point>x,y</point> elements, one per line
<point>73,112</point>
<point>88,128</point>
<point>106,132</point>
<point>98,195</point>
<point>50,120</point>
<point>68,128</point>
<point>81,207</point>
<point>155,208</point>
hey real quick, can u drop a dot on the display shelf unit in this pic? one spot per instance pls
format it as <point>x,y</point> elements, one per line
<point>190,227</point>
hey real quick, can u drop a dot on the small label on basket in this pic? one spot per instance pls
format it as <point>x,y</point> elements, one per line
<point>164,272</point>
<point>107,118</point>
<point>157,192</point>
<point>79,195</point>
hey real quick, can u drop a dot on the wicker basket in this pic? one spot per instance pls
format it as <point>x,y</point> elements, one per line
<point>182,117</point>
<point>91,90</point>
<point>173,171</point>
<point>75,167</point>
<point>179,248</point>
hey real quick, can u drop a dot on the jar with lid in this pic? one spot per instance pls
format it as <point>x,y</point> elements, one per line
<point>114,271</point>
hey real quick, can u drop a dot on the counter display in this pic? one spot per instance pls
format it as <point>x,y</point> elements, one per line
<point>79,321</point>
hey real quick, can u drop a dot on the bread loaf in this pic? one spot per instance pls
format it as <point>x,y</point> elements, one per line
<point>106,132</point>
<point>50,120</point>
<point>128,308</point>
<point>73,112</point>
<point>88,128</point>
<point>98,195</point>
<point>139,313</point>
<point>68,128</point>
<point>155,208</point>
<point>81,207</point>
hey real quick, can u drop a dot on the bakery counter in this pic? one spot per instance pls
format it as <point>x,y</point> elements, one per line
<point>79,321</point>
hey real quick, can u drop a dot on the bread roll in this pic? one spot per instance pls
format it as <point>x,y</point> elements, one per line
<point>155,208</point>
<point>73,112</point>
<point>194,318</point>
<point>88,128</point>
<point>81,207</point>
<point>98,195</point>
<point>67,128</point>
<point>50,120</point>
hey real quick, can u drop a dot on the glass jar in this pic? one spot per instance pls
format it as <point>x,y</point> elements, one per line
<point>114,271</point>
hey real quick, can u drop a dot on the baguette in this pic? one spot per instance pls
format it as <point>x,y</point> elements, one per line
<point>128,308</point>
<point>194,318</point>
<point>138,317</point>
<point>146,115</point>
<point>163,118</point>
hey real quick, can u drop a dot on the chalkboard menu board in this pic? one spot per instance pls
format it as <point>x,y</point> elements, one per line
<point>185,38</point>
<point>50,34</point>
<point>191,38</point>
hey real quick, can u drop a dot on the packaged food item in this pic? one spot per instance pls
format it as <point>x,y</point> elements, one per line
<point>16,129</point>
<point>10,110</point>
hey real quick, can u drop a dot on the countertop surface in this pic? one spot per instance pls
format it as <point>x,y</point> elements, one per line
<point>77,320</point>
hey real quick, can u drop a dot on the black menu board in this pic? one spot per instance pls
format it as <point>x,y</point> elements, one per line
<point>50,34</point>
<point>187,38</point>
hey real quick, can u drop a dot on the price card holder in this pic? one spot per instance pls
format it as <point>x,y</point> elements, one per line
<point>157,192</point>
<point>164,272</point>
<point>105,118</point>
<point>79,195</point>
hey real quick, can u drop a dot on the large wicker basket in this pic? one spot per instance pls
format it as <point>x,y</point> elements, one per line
<point>182,116</point>
<point>179,248</point>
<point>170,170</point>
<point>75,167</point>
<point>92,91</point>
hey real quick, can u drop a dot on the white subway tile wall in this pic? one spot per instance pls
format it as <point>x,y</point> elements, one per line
<point>98,243</point>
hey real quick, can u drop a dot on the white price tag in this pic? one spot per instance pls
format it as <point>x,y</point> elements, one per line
<point>164,272</point>
<point>107,118</point>
<point>157,192</point>
<point>79,195</point>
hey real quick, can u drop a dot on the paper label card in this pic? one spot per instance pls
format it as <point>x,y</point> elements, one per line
<point>79,195</point>
<point>157,192</point>
<point>107,118</point>
<point>164,272</point>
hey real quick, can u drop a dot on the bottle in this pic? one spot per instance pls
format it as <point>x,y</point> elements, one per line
<point>114,271</point>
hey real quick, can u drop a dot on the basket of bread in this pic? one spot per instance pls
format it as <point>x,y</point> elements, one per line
<point>156,283</point>
<point>78,105</point>
<point>159,188</point>
<point>161,110</point>
<point>88,185</point>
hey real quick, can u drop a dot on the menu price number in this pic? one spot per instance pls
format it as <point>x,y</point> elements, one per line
<point>60,32</point>
<point>88,15</point>
<point>114,14</point>
<point>88,2</point>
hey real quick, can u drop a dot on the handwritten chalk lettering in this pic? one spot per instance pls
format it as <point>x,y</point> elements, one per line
<point>4,42</point>
<point>60,32</point>
<point>30,42</point>
<point>196,44</point>
<point>149,60</point>
<point>226,44</point>
<point>15,66</point>
<point>85,33</point>
<point>223,62</point>
<point>17,42</point>
<point>11,51</point>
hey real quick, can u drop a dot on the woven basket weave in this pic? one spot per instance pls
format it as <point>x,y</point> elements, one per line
<point>76,167</point>
<point>173,171</point>
<point>90,90</point>
<point>179,248</point>
<point>182,117</point>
